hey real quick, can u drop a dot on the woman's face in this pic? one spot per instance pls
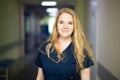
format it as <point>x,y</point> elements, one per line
<point>65,25</point>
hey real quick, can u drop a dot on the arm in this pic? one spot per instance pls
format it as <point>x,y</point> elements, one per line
<point>40,75</point>
<point>85,74</point>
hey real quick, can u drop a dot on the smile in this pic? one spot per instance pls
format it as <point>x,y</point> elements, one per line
<point>65,30</point>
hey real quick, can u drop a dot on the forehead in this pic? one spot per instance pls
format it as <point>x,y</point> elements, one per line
<point>65,16</point>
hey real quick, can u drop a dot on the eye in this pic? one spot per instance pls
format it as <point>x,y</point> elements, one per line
<point>70,23</point>
<point>61,22</point>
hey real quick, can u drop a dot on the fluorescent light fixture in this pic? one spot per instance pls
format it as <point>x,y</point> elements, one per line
<point>49,3</point>
<point>52,10</point>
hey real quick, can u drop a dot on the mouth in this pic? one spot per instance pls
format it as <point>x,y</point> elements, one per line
<point>65,30</point>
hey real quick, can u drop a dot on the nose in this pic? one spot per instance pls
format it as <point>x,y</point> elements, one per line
<point>65,26</point>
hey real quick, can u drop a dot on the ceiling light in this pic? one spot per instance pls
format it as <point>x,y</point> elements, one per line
<point>51,9</point>
<point>49,3</point>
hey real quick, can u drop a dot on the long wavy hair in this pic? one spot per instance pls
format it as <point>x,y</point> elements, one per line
<point>78,39</point>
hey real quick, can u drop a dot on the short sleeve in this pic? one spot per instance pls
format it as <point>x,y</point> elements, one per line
<point>40,57</point>
<point>87,61</point>
<point>38,60</point>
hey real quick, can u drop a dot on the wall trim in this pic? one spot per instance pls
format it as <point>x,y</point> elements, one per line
<point>104,73</point>
<point>9,46</point>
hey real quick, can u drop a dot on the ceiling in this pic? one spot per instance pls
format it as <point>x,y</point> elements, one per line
<point>35,5</point>
<point>60,2</point>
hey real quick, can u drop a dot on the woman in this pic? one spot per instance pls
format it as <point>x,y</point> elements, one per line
<point>66,55</point>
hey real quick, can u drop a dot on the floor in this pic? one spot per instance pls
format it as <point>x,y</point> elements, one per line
<point>29,72</point>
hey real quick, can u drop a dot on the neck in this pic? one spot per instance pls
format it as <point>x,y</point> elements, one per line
<point>65,40</point>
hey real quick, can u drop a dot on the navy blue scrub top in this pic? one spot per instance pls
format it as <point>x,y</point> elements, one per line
<point>65,69</point>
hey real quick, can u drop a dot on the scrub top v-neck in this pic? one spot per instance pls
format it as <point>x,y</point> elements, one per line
<point>63,70</point>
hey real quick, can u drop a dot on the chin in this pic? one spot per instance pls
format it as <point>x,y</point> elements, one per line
<point>66,36</point>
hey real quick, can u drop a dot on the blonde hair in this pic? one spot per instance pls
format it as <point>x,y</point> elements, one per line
<point>78,38</point>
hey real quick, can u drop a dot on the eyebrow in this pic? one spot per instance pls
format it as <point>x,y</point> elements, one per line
<point>63,20</point>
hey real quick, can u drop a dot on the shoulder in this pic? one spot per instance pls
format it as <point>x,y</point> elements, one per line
<point>85,52</point>
<point>87,60</point>
<point>43,45</point>
<point>42,48</point>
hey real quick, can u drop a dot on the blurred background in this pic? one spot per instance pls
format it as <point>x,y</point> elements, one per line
<point>24,24</point>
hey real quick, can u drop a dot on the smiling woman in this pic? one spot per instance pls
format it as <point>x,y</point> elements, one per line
<point>66,55</point>
<point>65,25</point>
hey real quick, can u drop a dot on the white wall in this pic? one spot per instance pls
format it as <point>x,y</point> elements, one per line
<point>90,29</point>
<point>108,35</point>
<point>11,29</point>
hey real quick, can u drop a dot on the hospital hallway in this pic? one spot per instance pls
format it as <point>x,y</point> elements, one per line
<point>25,24</point>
